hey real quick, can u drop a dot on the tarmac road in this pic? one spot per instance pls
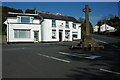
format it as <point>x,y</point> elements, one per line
<point>56,60</point>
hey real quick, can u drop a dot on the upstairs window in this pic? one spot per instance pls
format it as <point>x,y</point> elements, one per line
<point>67,24</point>
<point>19,19</point>
<point>25,19</point>
<point>53,23</point>
<point>32,19</point>
<point>22,19</point>
<point>74,25</point>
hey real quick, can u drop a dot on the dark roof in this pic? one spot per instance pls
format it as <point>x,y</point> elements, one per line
<point>45,16</point>
<point>58,17</point>
<point>15,15</point>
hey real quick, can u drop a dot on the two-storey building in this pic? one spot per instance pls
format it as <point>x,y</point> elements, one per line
<point>41,27</point>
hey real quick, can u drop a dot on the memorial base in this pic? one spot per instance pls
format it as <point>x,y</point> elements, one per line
<point>88,43</point>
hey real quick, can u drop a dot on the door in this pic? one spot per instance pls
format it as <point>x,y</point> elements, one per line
<point>36,36</point>
<point>60,35</point>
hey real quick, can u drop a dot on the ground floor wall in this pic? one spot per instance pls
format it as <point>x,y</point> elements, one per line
<point>56,35</point>
<point>39,33</point>
<point>23,33</point>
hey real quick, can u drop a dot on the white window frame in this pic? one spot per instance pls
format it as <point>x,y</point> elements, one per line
<point>53,24</point>
<point>66,24</point>
<point>67,34</point>
<point>74,25</point>
<point>31,21</point>
<point>54,34</point>
<point>75,33</point>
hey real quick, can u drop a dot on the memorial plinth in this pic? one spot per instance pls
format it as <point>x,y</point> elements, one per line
<point>87,40</point>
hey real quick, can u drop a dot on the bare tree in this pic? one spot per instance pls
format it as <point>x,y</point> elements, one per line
<point>81,20</point>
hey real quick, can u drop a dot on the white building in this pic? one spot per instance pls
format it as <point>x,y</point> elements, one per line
<point>95,29</point>
<point>41,27</point>
<point>106,27</point>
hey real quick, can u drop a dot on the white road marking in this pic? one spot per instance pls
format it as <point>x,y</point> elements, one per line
<point>92,57</point>
<point>71,54</point>
<point>109,71</point>
<point>81,55</point>
<point>106,43</point>
<point>100,41</point>
<point>55,58</point>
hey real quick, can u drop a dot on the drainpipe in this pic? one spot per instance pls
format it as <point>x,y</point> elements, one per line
<point>8,30</point>
<point>41,25</point>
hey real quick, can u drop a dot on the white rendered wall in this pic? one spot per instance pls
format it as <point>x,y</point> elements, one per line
<point>13,24</point>
<point>95,29</point>
<point>60,25</point>
<point>31,27</point>
<point>45,30</point>
<point>102,28</point>
<point>12,19</point>
<point>36,21</point>
<point>105,27</point>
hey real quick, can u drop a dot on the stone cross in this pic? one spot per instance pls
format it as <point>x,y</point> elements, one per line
<point>87,10</point>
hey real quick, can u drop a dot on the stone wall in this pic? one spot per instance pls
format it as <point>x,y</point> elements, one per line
<point>3,39</point>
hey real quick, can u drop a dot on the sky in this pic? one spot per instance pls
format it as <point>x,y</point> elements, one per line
<point>60,0</point>
<point>73,9</point>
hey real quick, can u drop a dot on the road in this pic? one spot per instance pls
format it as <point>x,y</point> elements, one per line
<point>114,41</point>
<point>56,60</point>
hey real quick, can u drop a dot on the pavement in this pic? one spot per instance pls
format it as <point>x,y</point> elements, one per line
<point>56,60</point>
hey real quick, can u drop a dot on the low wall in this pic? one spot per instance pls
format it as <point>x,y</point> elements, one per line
<point>3,39</point>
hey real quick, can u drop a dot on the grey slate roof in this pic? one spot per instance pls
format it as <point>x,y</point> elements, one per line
<point>58,17</point>
<point>46,16</point>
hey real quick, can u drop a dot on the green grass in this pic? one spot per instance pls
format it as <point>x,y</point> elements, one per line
<point>2,33</point>
<point>3,43</point>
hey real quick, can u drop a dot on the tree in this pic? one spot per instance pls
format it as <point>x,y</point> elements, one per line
<point>32,11</point>
<point>110,16</point>
<point>83,26</point>
<point>81,20</point>
<point>5,11</point>
<point>113,21</point>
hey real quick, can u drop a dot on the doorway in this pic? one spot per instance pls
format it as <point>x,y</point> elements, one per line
<point>60,35</point>
<point>36,36</point>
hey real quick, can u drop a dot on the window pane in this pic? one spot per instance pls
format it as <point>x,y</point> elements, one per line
<point>18,19</point>
<point>53,34</point>
<point>16,33</point>
<point>74,26</point>
<point>32,20</point>
<point>25,19</point>
<point>67,25</point>
<point>67,34</point>
<point>21,33</point>
<point>53,23</point>
<point>75,34</point>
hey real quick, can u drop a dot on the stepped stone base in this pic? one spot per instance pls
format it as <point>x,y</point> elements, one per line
<point>88,42</point>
